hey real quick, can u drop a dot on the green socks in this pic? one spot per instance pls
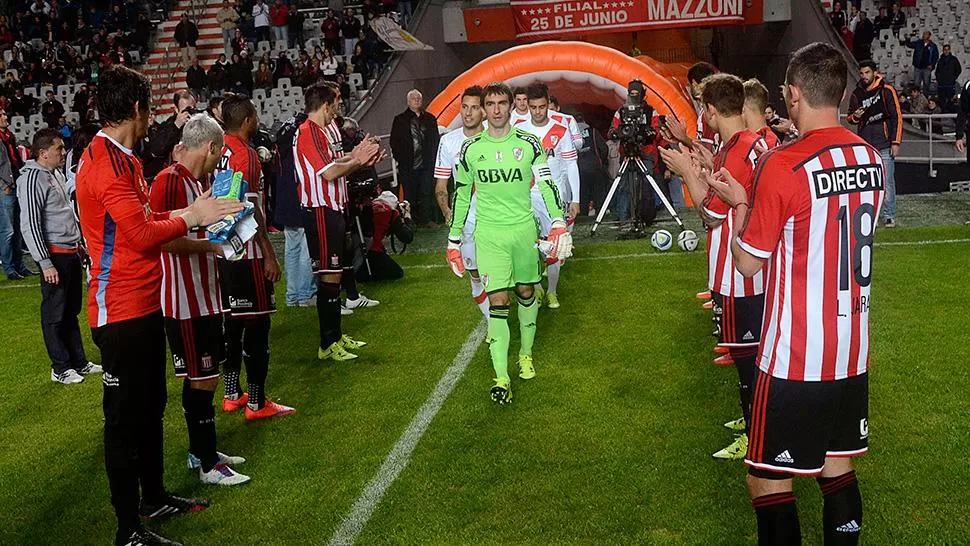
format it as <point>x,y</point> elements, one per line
<point>498,339</point>
<point>528,313</point>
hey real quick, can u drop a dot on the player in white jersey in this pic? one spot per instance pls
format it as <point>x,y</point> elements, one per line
<point>557,140</point>
<point>557,114</point>
<point>520,110</point>
<point>449,147</point>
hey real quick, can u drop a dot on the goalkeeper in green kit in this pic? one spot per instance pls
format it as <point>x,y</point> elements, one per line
<point>499,167</point>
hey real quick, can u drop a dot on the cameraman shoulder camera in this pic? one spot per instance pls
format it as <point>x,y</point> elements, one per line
<point>162,137</point>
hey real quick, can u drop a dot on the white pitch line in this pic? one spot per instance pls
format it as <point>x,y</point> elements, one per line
<point>676,254</point>
<point>19,286</point>
<point>363,508</point>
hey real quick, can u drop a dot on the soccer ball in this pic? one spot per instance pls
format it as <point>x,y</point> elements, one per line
<point>662,240</point>
<point>687,240</point>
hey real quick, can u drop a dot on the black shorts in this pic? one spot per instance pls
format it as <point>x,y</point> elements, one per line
<point>245,290</point>
<point>795,425</point>
<point>326,238</point>
<point>197,345</point>
<point>740,319</point>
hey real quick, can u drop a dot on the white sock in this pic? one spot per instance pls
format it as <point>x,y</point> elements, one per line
<point>479,295</point>
<point>554,276</point>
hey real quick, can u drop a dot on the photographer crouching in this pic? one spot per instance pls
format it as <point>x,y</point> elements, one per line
<point>374,213</point>
<point>635,127</point>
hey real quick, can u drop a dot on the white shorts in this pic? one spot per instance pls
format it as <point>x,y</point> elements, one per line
<point>468,239</point>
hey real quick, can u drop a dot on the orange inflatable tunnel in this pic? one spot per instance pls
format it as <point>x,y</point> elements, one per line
<point>577,72</point>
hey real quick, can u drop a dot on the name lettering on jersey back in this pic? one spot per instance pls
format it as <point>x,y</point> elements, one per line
<point>850,179</point>
<point>860,305</point>
<point>494,176</point>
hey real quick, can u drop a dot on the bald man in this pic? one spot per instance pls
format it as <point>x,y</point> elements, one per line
<point>414,143</point>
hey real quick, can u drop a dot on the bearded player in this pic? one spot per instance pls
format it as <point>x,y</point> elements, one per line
<point>472,115</point>
<point>561,154</point>
<point>500,164</point>
<point>811,219</point>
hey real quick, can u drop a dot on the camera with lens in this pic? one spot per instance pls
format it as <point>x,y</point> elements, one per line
<point>635,130</point>
<point>363,185</point>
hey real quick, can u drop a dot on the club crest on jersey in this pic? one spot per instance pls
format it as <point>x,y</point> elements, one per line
<point>518,153</point>
<point>498,156</point>
<point>554,139</point>
<point>485,280</point>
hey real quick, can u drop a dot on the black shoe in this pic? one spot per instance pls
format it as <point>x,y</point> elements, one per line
<point>171,505</point>
<point>144,537</point>
<point>27,272</point>
<point>15,277</point>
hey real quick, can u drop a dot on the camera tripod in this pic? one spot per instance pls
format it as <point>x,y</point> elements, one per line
<point>637,231</point>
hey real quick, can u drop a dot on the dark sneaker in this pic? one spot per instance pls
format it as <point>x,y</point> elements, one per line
<point>890,222</point>
<point>144,537</point>
<point>172,505</point>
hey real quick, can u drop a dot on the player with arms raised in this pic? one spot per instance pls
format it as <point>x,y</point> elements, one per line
<point>561,155</point>
<point>449,147</point>
<point>499,165</point>
<point>811,217</point>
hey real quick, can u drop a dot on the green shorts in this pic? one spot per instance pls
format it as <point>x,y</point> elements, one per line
<point>507,256</point>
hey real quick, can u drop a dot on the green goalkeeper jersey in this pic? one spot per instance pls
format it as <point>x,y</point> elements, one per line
<point>500,172</point>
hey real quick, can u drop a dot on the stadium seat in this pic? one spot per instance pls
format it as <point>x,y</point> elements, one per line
<point>356,80</point>
<point>30,91</point>
<point>44,89</point>
<point>73,118</point>
<point>295,91</point>
<point>17,122</point>
<point>14,72</point>
<point>259,94</point>
<point>284,84</point>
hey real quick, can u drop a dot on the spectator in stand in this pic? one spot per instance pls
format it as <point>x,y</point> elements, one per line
<point>344,92</point>
<point>261,21</point>
<point>837,17</point>
<point>350,29</point>
<point>331,32</point>
<point>278,16</point>
<point>359,62</point>
<point>65,129</point>
<point>284,68</point>
<point>897,19</point>
<point>862,37</point>
<point>938,126</point>
<point>853,18</point>
<point>329,65</point>
<point>11,242</point>
<point>782,127</point>
<point>301,75</point>
<point>195,78</point>
<point>80,104</point>
<point>294,23</point>
<point>239,43</point>
<point>925,57</point>
<point>241,75</point>
<point>40,7</point>
<point>314,73</point>
<point>948,70</point>
<point>264,77</point>
<point>217,76</point>
<point>228,19</point>
<point>120,56</point>
<point>414,143</point>
<point>874,108</point>
<point>917,102</point>
<point>51,110</point>
<point>186,35</point>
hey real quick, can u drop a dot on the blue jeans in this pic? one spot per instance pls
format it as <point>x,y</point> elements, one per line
<point>922,77</point>
<point>10,240</point>
<point>404,6</point>
<point>889,200</point>
<point>280,34</point>
<point>227,40</point>
<point>677,193</point>
<point>300,285</point>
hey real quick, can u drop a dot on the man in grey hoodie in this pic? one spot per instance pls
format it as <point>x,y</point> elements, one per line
<point>53,236</point>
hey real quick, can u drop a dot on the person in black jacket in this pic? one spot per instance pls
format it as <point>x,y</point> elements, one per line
<point>301,288</point>
<point>963,121</point>
<point>414,143</point>
<point>865,33</point>
<point>162,137</point>
<point>948,69</point>
<point>186,34</point>
<point>196,80</point>
<point>874,108</point>
<point>51,110</point>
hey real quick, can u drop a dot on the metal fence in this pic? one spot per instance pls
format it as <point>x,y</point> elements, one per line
<point>928,146</point>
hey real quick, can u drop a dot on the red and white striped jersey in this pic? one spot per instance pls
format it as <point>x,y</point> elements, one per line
<point>312,156</point>
<point>770,137</point>
<point>814,209</point>
<point>705,133</point>
<point>561,153</point>
<point>336,140</point>
<point>190,282</point>
<point>739,156</point>
<point>569,122</point>
<point>238,155</point>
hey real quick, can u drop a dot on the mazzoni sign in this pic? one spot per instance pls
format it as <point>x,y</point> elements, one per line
<point>545,18</point>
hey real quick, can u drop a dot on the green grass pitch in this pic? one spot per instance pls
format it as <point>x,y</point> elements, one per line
<point>609,444</point>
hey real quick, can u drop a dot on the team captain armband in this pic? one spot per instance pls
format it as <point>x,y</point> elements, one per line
<point>542,172</point>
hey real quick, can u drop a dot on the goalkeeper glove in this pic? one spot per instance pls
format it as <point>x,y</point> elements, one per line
<point>562,241</point>
<point>453,255</point>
